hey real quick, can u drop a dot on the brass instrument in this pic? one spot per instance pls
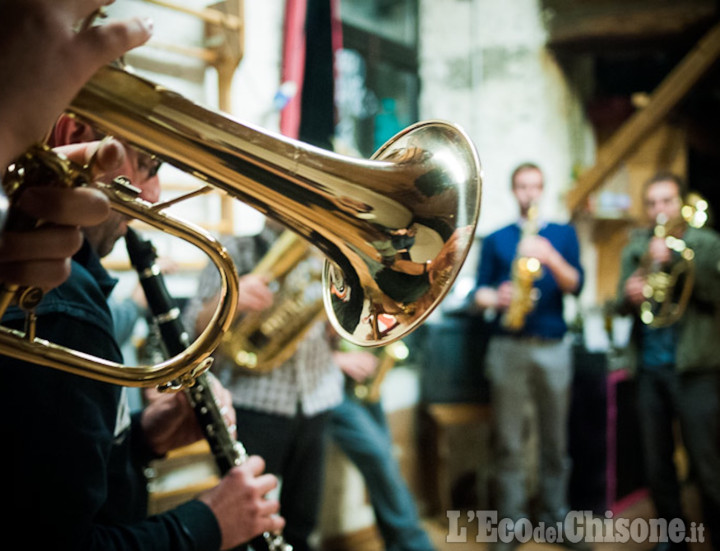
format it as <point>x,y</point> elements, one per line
<point>178,370</point>
<point>667,289</point>
<point>388,356</point>
<point>525,271</point>
<point>258,342</point>
<point>396,229</point>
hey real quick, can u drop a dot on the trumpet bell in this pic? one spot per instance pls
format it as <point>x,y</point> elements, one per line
<point>395,229</point>
<point>427,222</point>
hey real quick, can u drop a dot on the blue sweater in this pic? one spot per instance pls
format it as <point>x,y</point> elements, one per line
<point>495,266</point>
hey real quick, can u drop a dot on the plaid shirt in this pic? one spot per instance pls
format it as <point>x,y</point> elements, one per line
<point>310,379</point>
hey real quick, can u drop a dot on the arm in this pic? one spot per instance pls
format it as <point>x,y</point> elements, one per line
<point>237,504</point>
<point>494,298</point>
<point>562,262</point>
<point>81,468</point>
<point>706,246</point>
<point>491,291</point>
<point>629,288</point>
<point>254,296</point>
<point>485,294</point>
<point>566,275</point>
<point>357,364</point>
<point>253,293</point>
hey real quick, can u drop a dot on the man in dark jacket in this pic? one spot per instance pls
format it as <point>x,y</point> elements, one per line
<point>76,452</point>
<point>678,364</point>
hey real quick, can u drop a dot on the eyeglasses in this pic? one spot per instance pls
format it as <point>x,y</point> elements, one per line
<point>144,163</point>
<point>149,164</point>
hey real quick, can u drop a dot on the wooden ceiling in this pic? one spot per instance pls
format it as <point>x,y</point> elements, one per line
<point>602,25</point>
<point>635,46</point>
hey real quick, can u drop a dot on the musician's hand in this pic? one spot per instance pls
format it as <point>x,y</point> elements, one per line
<point>41,256</point>
<point>536,246</point>
<point>255,295</point>
<point>44,63</point>
<point>240,506</point>
<point>504,295</point>
<point>634,289</point>
<point>223,397</point>
<point>359,365</point>
<point>169,422</point>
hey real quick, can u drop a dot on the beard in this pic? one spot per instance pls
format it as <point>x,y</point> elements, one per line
<point>102,238</point>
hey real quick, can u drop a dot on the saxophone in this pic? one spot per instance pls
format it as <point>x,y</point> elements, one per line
<point>227,451</point>
<point>258,342</point>
<point>525,271</point>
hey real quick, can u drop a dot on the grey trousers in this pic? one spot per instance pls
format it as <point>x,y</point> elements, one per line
<point>539,372</point>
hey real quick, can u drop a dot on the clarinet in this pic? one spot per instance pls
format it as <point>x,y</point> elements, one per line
<point>227,451</point>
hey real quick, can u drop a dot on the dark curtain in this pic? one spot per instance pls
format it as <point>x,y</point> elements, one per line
<point>317,114</point>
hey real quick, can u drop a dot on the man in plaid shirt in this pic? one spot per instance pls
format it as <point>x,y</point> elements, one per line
<point>281,414</point>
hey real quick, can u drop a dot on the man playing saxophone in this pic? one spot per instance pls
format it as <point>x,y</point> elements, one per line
<point>282,413</point>
<point>678,364</point>
<point>530,361</point>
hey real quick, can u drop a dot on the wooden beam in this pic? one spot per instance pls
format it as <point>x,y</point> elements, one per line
<point>667,95</point>
<point>230,49</point>
<point>604,21</point>
<point>206,55</point>
<point>208,15</point>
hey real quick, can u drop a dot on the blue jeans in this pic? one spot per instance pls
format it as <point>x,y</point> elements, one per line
<point>361,432</point>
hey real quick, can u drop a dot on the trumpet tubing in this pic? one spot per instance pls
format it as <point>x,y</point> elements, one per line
<point>396,229</point>
<point>179,370</point>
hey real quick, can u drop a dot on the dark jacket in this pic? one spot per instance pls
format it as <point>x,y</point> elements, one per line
<point>76,455</point>
<point>698,345</point>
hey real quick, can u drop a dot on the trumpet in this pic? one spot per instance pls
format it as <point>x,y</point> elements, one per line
<point>395,229</point>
